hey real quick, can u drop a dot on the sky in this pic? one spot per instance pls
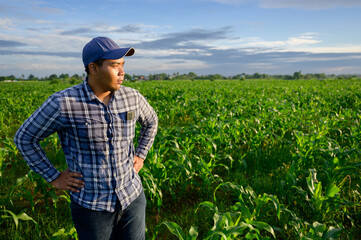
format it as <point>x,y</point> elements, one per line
<point>227,37</point>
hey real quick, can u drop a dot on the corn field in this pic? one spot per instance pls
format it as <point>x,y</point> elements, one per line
<point>254,159</point>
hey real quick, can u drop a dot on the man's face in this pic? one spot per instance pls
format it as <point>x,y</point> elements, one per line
<point>111,74</point>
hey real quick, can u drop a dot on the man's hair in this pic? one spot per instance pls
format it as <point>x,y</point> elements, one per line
<point>98,62</point>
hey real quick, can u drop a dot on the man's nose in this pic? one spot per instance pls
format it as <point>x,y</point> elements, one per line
<point>121,71</point>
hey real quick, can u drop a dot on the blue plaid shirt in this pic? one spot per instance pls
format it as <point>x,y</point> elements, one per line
<point>97,141</point>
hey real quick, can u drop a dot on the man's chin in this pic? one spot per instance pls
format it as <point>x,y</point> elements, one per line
<point>115,88</point>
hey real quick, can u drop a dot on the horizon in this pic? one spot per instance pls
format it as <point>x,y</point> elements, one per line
<point>227,37</point>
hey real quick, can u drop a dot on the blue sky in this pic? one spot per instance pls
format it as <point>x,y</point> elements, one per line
<point>202,36</point>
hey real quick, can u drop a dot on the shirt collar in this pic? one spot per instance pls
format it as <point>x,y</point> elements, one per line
<point>88,91</point>
<point>91,95</point>
<point>116,94</point>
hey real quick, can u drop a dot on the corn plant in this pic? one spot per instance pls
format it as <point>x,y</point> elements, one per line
<point>320,231</point>
<point>7,214</point>
<point>62,233</point>
<point>213,138</point>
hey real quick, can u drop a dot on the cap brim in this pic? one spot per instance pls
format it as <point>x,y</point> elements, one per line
<point>119,53</point>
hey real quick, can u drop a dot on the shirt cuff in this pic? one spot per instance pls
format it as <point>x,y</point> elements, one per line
<point>141,153</point>
<point>51,175</point>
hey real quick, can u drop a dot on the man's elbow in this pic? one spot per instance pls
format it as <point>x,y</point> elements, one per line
<point>17,139</point>
<point>21,139</point>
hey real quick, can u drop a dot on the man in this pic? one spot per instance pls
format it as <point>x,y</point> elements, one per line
<point>95,122</point>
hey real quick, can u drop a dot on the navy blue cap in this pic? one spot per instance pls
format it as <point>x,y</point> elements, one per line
<point>105,48</point>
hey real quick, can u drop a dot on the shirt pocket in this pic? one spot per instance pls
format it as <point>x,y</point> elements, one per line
<point>90,130</point>
<point>125,125</point>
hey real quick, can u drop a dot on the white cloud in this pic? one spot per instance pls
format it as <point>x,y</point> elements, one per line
<point>7,24</point>
<point>262,66</point>
<point>341,70</point>
<point>304,39</point>
<point>332,49</point>
<point>302,4</point>
<point>306,42</point>
<point>159,53</point>
<point>290,44</point>
<point>40,66</point>
<point>149,65</point>
<point>313,58</point>
<point>309,4</point>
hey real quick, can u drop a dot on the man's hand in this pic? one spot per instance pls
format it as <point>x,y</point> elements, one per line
<point>68,181</point>
<point>137,163</point>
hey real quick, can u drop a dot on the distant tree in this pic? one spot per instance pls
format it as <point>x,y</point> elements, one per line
<point>320,75</point>
<point>308,76</point>
<point>53,76</point>
<point>238,76</point>
<point>288,77</point>
<point>127,77</point>
<point>75,79</point>
<point>64,76</point>
<point>217,76</point>
<point>256,75</point>
<point>297,75</point>
<point>192,75</point>
<point>77,76</point>
<point>163,76</point>
<point>31,77</point>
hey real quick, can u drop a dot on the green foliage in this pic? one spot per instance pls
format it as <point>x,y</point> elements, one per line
<point>6,214</point>
<point>250,159</point>
<point>62,233</point>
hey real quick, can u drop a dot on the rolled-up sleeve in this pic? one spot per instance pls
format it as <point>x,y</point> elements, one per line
<point>41,124</point>
<point>149,124</point>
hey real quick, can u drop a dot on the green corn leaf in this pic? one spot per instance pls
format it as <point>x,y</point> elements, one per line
<point>209,205</point>
<point>251,236</point>
<point>311,180</point>
<point>13,216</point>
<point>175,229</point>
<point>60,232</point>
<point>16,218</point>
<point>228,219</point>
<point>193,233</point>
<point>332,233</point>
<point>220,234</point>
<point>262,226</point>
<point>235,231</point>
<point>24,217</point>
<point>277,205</point>
<point>318,228</point>
<point>331,190</point>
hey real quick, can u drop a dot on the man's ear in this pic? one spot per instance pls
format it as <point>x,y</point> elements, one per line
<point>93,68</point>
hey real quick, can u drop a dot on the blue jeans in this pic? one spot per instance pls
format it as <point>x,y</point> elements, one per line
<point>100,225</point>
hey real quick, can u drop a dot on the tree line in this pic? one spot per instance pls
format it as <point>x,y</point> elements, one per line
<point>31,77</point>
<point>191,75</point>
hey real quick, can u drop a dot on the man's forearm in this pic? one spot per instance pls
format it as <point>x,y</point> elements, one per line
<point>35,157</point>
<point>41,124</point>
